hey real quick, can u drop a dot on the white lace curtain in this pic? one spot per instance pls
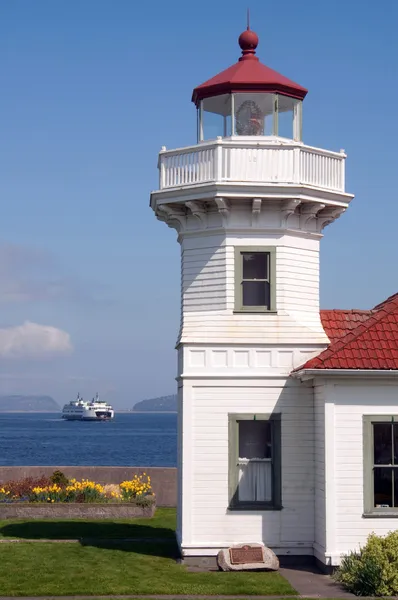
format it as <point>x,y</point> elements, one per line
<point>255,480</point>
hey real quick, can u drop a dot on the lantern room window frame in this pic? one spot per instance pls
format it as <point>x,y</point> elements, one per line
<point>227,122</point>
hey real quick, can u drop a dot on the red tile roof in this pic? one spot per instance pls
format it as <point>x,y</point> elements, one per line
<point>360,339</point>
<point>338,323</point>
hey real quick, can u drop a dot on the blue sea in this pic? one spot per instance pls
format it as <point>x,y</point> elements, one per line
<point>130,439</point>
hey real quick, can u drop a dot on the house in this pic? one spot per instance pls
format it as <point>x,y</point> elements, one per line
<point>288,415</point>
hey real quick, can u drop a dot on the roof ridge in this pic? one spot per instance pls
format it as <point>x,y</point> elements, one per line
<point>341,343</point>
<point>363,311</point>
<point>386,301</point>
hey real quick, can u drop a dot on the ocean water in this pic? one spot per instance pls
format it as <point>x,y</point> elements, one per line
<point>130,439</point>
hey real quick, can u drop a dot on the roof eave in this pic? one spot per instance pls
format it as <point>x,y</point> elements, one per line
<point>255,88</point>
<point>305,374</point>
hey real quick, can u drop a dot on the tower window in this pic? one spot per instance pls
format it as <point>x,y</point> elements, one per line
<point>255,279</point>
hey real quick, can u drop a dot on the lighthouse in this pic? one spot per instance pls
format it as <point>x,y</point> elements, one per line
<point>249,202</point>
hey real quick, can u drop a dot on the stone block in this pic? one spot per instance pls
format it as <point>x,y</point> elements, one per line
<point>247,557</point>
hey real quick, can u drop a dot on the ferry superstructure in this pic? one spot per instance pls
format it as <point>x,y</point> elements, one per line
<point>95,410</point>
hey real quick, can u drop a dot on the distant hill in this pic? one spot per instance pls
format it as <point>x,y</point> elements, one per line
<point>161,404</point>
<point>28,404</point>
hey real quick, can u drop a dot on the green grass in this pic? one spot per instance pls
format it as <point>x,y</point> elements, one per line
<point>70,569</point>
<point>102,565</point>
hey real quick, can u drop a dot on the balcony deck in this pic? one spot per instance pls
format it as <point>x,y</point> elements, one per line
<point>269,161</point>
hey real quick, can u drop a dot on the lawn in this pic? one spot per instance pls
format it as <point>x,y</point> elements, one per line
<point>103,564</point>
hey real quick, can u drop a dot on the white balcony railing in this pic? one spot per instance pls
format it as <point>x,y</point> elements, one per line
<point>226,160</point>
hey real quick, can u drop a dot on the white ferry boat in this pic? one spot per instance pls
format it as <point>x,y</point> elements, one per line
<point>96,410</point>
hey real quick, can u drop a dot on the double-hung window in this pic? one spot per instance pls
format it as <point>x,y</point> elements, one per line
<point>254,279</point>
<point>380,464</point>
<point>254,461</point>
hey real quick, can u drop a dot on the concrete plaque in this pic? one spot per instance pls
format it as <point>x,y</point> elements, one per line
<point>246,555</point>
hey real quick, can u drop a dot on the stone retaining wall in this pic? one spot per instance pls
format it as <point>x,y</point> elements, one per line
<point>72,510</point>
<point>163,479</point>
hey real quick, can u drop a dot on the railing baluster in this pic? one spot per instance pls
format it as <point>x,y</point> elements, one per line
<point>190,168</point>
<point>289,164</point>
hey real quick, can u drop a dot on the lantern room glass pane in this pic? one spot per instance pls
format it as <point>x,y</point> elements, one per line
<point>215,117</point>
<point>250,114</point>
<point>289,117</point>
<point>253,114</point>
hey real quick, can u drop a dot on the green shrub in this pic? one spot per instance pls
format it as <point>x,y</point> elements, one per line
<point>373,571</point>
<point>144,501</point>
<point>58,478</point>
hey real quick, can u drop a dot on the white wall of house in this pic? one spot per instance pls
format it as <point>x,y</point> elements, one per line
<point>345,404</point>
<point>207,524</point>
<point>319,471</point>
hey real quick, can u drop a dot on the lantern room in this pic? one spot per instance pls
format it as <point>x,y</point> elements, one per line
<point>249,99</point>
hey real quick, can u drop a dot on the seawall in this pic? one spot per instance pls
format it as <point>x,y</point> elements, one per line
<point>163,479</point>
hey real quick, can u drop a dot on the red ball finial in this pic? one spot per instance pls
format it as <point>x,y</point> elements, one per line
<point>248,41</point>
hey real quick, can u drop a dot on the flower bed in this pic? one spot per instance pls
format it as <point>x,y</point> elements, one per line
<point>58,497</point>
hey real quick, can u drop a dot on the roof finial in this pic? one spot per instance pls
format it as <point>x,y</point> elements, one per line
<point>248,41</point>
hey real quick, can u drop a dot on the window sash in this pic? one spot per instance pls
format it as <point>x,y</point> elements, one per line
<point>370,466</point>
<point>273,498</point>
<point>270,280</point>
<point>267,261</point>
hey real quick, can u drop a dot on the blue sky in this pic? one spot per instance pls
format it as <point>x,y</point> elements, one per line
<point>90,91</point>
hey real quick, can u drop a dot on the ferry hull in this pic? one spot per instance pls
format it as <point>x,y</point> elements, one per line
<point>88,417</point>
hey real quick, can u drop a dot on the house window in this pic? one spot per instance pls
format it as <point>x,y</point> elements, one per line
<point>381,464</point>
<point>254,461</point>
<point>255,279</point>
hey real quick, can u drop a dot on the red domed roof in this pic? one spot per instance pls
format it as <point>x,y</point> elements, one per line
<point>248,75</point>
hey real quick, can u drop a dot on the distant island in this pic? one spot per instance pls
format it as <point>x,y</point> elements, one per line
<point>161,404</point>
<point>28,404</point>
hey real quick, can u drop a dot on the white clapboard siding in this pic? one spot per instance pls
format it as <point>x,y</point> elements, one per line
<point>180,416</point>
<point>206,444</point>
<point>203,278</point>
<point>222,328</point>
<point>208,292</point>
<point>319,467</point>
<point>351,402</point>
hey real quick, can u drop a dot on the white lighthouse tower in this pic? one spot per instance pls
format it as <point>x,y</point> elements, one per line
<point>249,202</point>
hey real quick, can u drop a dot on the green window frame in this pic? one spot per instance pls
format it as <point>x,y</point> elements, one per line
<point>380,465</point>
<point>235,463</point>
<point>268,280</point>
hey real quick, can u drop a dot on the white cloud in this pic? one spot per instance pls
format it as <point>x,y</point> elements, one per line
<point>32,340</point>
